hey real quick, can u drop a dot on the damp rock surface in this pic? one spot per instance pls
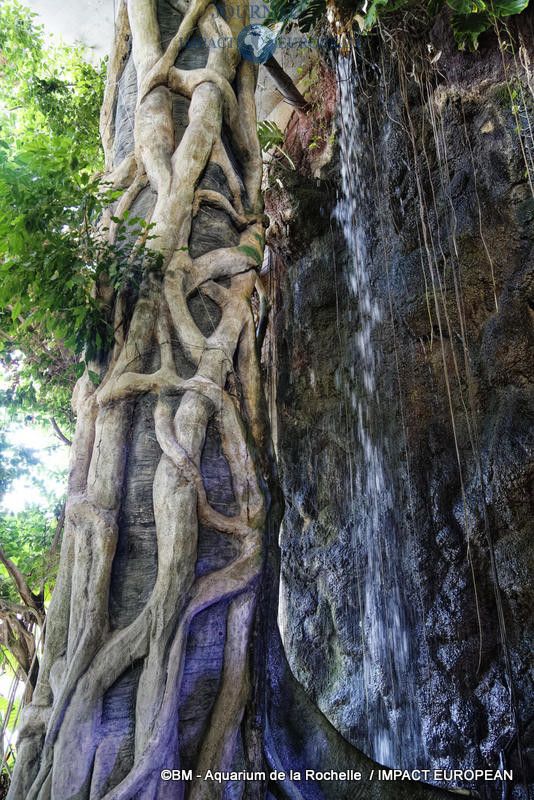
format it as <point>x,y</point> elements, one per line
<point>402,392</point>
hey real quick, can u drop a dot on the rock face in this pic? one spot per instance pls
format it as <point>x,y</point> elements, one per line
<point>402,382</point>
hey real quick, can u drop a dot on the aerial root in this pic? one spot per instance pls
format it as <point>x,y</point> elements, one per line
<point>87,658</point>
<point>207,590</point>
<point>126,201</point>
<point>218,746</point>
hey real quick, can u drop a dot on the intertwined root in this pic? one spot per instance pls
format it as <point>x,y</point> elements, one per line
<point>61,740</point>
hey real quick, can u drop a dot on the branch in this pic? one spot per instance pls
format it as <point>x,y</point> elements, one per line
<point>59,432</point>
<point>18,641</point>
<point>9,609</point>
<point>31,600</point>
<point>285,85</point>
<point>57,532</point>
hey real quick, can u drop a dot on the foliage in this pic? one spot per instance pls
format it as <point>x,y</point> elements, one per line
<point>50,257</point>
<point>271,137</point>
<point>12,461</point>
<point>29,552</point>
<point>306,13</point>
<point>470,18</point>
<point>26,538</point>
<point>53,91</point>
<point>49,146</point>
<point>473,17</point>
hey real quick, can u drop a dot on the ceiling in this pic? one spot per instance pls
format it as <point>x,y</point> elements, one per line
<point>87,21</point>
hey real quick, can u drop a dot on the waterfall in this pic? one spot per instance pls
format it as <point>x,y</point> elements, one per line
<point>380,538</point>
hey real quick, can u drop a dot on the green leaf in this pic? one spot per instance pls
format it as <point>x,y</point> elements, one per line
<point>269,135</point>
<point>378,7</point>
<point>468,27</point>
<point>79,369</point>
<point>504,8</point>
<point>466,7</point>
<point>16,310</point>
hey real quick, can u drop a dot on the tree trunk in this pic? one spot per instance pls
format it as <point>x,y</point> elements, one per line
<point>170,544</point>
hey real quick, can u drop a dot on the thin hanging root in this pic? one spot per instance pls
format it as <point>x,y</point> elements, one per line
<point>525,62</point>
<point>467,139</point>
<point>527,154</point>
<point>434,275</point>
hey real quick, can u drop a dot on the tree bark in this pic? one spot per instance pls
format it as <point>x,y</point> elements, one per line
<point>162,648</point>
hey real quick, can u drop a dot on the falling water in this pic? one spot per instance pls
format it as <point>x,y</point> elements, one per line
<point>379,537</point>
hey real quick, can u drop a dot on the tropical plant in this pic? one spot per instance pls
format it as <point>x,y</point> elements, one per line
<point>49,148</point>
<point>272,138</point>
<point>469,20</point>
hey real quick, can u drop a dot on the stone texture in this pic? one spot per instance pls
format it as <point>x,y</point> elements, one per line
<point>407,686</point>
